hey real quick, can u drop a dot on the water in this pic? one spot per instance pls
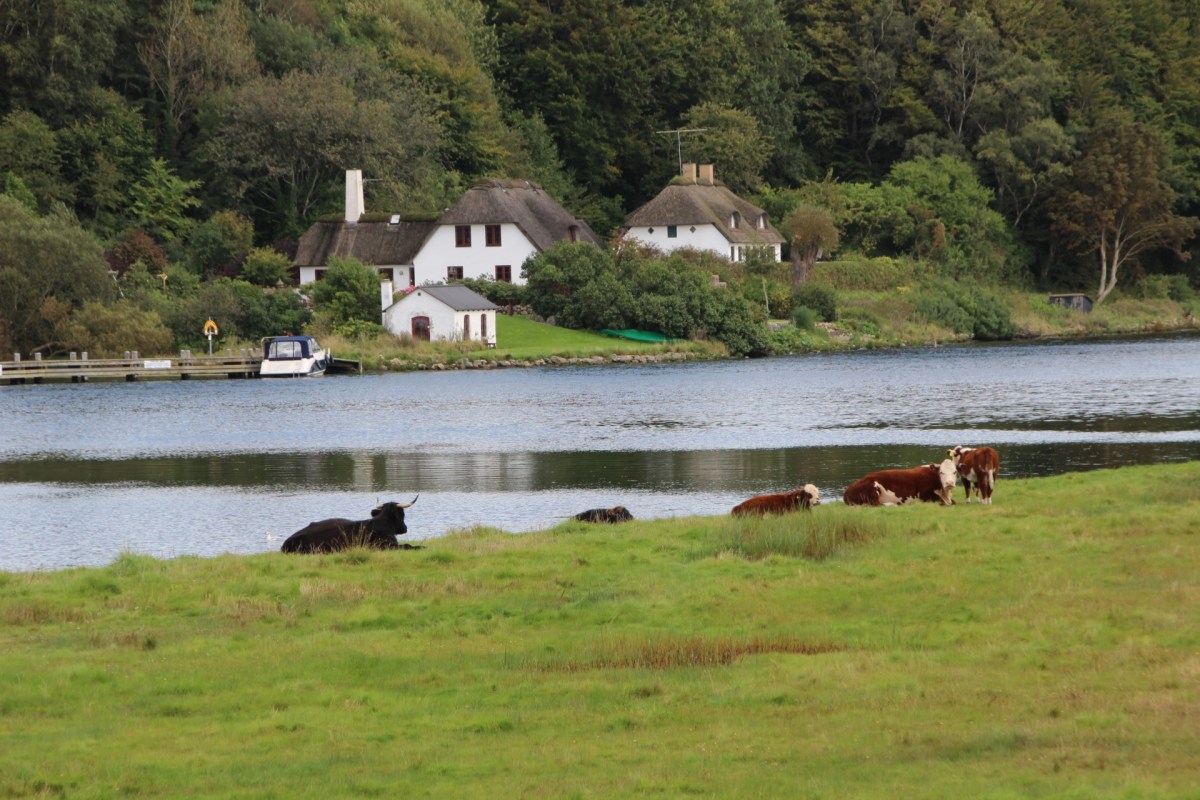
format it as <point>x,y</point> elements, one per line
<point>206,467</point>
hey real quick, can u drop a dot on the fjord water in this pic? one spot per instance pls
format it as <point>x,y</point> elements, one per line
<point>88,471</point>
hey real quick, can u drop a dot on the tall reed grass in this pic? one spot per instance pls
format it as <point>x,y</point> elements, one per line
<point>813,535</point>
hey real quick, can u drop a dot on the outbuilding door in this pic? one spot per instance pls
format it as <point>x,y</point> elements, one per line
<point>420,328</point>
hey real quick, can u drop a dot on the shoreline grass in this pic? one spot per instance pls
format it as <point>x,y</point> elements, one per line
<point>1044,646</point>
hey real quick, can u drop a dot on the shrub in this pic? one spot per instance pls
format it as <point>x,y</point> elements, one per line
<point>966,309</point>
<point>869,274</point>
<point>805,318</point>
<point>819,298</point>
<point>1165,287</point>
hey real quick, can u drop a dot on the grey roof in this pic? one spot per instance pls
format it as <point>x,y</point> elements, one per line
<point>686,202</point>
<point>374,243</point>
<point>522,203</point>
<point>458,297</point>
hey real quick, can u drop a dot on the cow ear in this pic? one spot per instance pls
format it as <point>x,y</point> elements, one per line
<point>375,511</point>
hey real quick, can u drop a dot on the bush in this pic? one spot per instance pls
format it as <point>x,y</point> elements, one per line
<point>818,298</point>
<point>1165,287</point>
<point>869,274</point>
<point>805,318</point>
<point>966,309</point>
<point>107,331</point>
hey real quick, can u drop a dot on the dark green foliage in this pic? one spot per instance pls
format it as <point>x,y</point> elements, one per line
<point>502,293</point>
<point>805,318</point>
<point>49,266</point>
<point>820,299</point>
<point>349,292</point>
<point>107,331</point>
<point>580,286</point>
<point>965,309</point>
<point>266,267</point>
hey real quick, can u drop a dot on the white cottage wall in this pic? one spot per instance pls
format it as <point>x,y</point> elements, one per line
<point>478,261</point>
<point>705,237</point>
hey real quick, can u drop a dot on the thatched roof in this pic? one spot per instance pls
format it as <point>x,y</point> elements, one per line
<point>523,203</point>
<point>687,202</point>
<point>374,243</point>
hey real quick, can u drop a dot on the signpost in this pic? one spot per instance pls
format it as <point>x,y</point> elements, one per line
<point>210,330</point>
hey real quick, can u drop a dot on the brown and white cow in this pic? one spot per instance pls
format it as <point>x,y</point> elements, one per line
<point>931,483</point>
<point>782,503</point>
<point>977,466</point>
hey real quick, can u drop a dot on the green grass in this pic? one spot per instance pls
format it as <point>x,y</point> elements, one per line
<point>1045,646</point>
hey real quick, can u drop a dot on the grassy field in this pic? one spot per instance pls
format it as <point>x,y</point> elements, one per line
<point>1045,646</point>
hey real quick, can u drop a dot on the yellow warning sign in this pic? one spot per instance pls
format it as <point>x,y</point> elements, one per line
<point>210,328</point>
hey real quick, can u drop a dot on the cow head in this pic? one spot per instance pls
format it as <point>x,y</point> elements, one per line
<point>948,477</point>
<point>958,452</point>
<point>392,515</point>
<point>812,494</point>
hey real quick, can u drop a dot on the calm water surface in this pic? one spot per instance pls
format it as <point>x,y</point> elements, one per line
<point>205,467</point>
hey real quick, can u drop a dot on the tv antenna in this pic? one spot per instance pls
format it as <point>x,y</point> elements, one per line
<point>679,141</point>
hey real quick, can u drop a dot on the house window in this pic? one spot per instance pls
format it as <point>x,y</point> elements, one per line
<point>573,233</point>
<point>491,234</point>
<point>385,273</point>
<point>762,221</point>
<point>462,235</point>
<point>318,275</point>
<point>420,328</point>
<point>504,273</point>
<point>454,274</point>
<point>672,232</point>
<point>466,327</point>
<point>734,219</point>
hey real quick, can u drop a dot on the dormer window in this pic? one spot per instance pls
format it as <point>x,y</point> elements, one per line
<point>734,220</point>
<point>762,222</point>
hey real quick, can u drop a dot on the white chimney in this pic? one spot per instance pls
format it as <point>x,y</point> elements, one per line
<point>354,195</point>
<point>385,294</point>
<point>688,170</point>
<point>706,175</point>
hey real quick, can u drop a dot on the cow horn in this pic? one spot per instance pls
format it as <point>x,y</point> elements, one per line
<point>406,505</point>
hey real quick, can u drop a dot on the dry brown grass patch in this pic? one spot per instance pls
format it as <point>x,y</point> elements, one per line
<point>692,651</point>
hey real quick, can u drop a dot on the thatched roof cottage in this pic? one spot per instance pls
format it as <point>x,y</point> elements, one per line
<point>696,210</point>
<point>493,228</point>
<point>488,232</point>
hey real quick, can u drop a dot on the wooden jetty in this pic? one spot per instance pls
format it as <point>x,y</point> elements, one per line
<point>132,367</point>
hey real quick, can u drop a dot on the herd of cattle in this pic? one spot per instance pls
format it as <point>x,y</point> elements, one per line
<point>977,467</point>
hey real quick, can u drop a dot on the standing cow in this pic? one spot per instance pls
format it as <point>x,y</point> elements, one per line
<point>977,466</point>
<point>930,483</point>
<point>330,535</point>
<point>797,500</point>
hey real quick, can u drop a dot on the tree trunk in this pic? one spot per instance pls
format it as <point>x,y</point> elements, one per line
<point>802,261</point>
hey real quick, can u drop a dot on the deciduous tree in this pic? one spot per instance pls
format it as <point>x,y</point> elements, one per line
<point>1118,205</point>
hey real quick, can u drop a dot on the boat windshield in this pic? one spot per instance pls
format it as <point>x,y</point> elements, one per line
<point>286,349</point>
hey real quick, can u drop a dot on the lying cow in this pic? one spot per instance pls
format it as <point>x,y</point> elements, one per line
<point>931,483</point>
<point>978,467</point>
<point>614,514</point>
<point>782,503</point>
<point>330,535</point>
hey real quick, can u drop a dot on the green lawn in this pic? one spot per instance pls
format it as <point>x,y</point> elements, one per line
<point>1045,646</point>
<point>522,338</point>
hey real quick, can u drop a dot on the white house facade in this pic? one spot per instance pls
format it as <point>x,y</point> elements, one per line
<point>441,313</point>
<point>697,211</point>
<point>488,250</point>
<point>493,228</point>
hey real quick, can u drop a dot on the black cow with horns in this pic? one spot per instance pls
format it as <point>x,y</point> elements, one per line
<point>330,535</point>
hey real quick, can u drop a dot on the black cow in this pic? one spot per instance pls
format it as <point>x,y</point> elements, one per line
<point>330,535</point>
<point>614,514</point>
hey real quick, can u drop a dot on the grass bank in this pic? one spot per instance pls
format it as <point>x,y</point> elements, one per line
<point>1045,646</point>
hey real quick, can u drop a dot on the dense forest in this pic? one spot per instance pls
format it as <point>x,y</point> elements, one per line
<point>188,143</point>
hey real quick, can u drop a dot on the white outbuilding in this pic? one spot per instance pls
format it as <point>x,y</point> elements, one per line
<point>440,312</point>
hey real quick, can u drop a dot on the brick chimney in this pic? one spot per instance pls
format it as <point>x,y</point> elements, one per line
<point>354,196</point>
<point>706,175</point>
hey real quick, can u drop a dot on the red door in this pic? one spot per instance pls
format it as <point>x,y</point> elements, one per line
<point>420,328</point>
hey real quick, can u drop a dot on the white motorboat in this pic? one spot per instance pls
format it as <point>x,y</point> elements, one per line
<point>293,357</point>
